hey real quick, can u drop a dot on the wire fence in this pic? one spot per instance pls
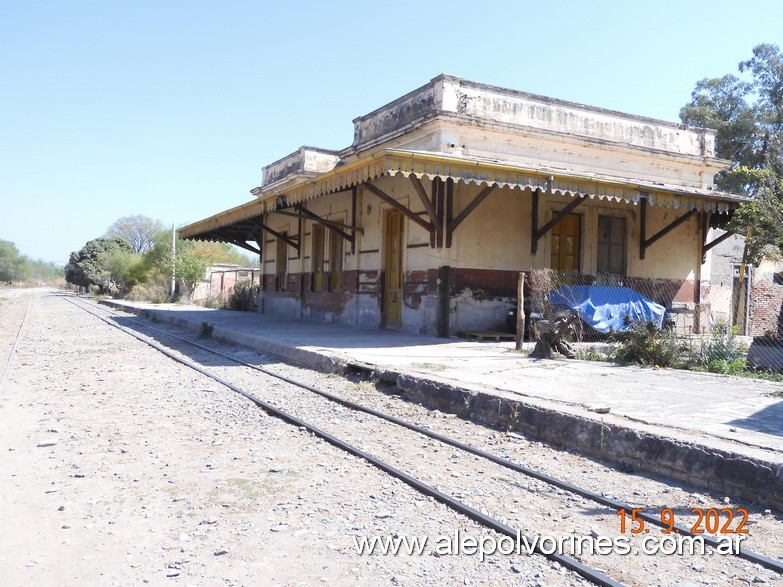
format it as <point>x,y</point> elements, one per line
<point>726,325</point>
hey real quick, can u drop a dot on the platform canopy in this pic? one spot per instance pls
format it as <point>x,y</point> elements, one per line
<point>237,223</point>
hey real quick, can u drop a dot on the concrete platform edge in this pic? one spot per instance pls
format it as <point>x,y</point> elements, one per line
<point>707,467</point>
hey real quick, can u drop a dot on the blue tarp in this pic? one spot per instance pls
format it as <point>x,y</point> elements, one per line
<point>604,307</point>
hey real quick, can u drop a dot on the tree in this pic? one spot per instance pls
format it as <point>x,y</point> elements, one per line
<point>17,267</point>
<point>191,261</point>
<point>125,269</point>
<point>12,264</point>
<point>138,230</point>
<point>748,117</point>
<point>90,265</point>
<point>43,271</point>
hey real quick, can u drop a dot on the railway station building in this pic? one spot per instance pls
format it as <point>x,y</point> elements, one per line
<point>446,194</point>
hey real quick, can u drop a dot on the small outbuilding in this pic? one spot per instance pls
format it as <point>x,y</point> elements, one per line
<point>447,193</point>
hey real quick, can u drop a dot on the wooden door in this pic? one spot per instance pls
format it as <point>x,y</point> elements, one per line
<point>611,245</point>
<point>566,237</point>
<point>392,265</point>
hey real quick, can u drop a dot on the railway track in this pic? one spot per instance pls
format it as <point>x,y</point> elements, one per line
<point>374,421</point>
<point>13,319</point>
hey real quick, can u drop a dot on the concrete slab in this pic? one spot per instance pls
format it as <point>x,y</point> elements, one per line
<point>739,417</point>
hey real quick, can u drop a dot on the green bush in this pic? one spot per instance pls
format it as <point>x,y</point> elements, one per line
<point>148,292</point>
<point>716,352</point>
<point>735,367</point>
<point>646,344</point>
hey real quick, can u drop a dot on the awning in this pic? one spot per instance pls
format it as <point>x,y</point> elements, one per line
<point>422,164</point>
<point>558,181</point>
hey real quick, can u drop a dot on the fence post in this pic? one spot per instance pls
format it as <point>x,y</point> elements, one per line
<point>520,311</point>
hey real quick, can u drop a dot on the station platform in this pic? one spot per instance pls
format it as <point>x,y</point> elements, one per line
<point>711,430</point>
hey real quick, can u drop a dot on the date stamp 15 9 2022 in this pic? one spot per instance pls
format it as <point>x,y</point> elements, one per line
<point>708,521</point>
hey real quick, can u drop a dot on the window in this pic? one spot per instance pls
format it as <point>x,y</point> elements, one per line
<point>281,263</point>
<point>566,236</point>
<point>335,261</point>
<point>318,257</point>
<point>611,245</point>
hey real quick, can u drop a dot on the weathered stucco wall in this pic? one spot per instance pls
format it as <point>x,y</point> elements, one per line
<point>306,161</point>
<point>490,247</point>
<point>459,117</point>
<point>566,152</point>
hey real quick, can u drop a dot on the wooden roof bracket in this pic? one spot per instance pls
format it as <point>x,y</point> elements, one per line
<point>431,207</point>
<point>229,238</point>
<point>705,229</point>
<point>645,242</point>
<point>434,219</point>
<point>287,239</point>
<point>429,227</point>
<point>303,212</point>
<point>537,233</point>
<point>330,224</point>
<point>472,205</point>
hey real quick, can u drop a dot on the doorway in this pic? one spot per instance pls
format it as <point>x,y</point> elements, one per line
<point>392,265</point>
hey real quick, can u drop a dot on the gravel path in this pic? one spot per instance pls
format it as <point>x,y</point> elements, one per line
<point>123,467</point>
<point>126,467</point>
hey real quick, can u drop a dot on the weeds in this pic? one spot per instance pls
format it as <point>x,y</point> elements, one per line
<point>603,434</point>
<point>512,416</point>
<point>735,367</point>
<point>206,330</point>
<point>468,398</point>
<point>721,352</point>
<point>590,355</point>
<point>646,344</point>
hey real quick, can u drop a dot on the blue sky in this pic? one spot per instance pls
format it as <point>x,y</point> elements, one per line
<point>170,108</point>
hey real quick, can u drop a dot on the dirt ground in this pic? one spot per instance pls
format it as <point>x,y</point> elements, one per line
<point>121,467</point>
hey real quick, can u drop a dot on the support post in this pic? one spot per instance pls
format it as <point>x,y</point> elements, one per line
<point>520,311</point>
<point>642,226</point>
<point>353,219</point>
<point>444,300</point>
<point>173,261</point>
<point>534,223</point>
<point>301,241</point>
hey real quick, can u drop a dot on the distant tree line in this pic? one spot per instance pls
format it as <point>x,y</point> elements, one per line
<point>134,259</point>
<point>15,267</point>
